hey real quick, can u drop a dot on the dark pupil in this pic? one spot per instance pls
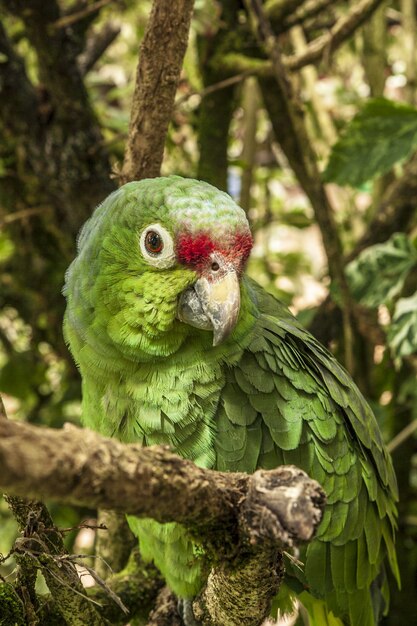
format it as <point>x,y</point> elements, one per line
<point>153,242</point>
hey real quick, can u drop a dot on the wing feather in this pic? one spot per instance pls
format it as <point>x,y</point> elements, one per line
<point>297,405</point>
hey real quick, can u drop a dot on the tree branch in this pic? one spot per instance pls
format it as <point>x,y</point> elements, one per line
<point>161,55</point>
<point>230,597</point>
<point>280,9</point>
<point>283,19</point>
<point>341,31</point>
<point>80,467</point>
<point>41,547</point>
<point>115,545</point>
<point>241,520</point>
<point>76,16</point>
<point>96,45</point>
<point>217,106</point>
<point>316,49</point>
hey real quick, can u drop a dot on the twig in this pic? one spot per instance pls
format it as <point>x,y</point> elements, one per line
<point>280,9</point>
<point>82,525</point>
<point>136,586</point>
<point>21,215</point>
<point>308,10</point>
<point>69,20</point>
<point>267,38</point>
<point>222,84</point>
<point>402,436</point>
<point>96,46</point>
<point>285,15</point>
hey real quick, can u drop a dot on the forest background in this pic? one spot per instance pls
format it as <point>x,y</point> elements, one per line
<point>304,111</point>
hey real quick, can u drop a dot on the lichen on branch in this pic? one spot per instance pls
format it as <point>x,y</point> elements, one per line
<point>242,521</point>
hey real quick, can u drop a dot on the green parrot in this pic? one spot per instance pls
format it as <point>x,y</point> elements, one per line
<point>177,346</point>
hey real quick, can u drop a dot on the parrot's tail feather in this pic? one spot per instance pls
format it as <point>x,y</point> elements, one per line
<point>317,611</point>
<point>173,553</point>
<point>311,611</point>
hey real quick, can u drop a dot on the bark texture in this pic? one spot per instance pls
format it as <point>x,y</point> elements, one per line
<point>241,520</point>
<point>159,68</point>
<point>78,466</point>
<point>230,597</point>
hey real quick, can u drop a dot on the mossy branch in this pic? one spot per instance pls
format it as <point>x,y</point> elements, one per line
<point>80,467</point>
<point>319,48</point>
<point>241,520</point>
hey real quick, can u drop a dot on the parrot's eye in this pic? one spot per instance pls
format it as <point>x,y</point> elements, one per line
<point>153,242</point>
<point>157,246</point>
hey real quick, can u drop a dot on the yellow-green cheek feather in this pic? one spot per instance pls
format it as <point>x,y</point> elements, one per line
<point>145,321</point>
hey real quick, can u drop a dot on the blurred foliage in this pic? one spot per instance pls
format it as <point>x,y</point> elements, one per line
<point>37,376</point>
<point>402,335</point>
<point>378,274</point>
<point>383,133</point>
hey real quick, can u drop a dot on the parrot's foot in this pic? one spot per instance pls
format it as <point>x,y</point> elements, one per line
<point>185,609</point>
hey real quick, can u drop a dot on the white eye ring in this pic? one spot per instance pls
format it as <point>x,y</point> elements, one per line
<point>166,256</point>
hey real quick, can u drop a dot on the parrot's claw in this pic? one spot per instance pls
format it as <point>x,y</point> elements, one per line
<point>185,609</point>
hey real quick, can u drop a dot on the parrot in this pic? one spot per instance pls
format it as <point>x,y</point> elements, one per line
<point>177,346</point>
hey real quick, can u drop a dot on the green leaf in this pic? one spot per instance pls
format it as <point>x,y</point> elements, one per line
<point>6,248</point>
<point>402,334</point>
<point>380,135</point>
<point>378,274</point>
<point>20,378</point>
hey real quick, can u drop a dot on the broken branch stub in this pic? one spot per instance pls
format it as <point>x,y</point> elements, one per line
<point>283,506</point>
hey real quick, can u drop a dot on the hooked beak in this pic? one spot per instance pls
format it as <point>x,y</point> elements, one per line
<point>213,302</point>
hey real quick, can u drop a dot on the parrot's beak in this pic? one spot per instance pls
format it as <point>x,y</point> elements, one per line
<point>220,301</point>
<point>213,302</point>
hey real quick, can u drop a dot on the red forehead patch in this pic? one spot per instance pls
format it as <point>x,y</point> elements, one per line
<point>242,246</point>
<point>196,250</point>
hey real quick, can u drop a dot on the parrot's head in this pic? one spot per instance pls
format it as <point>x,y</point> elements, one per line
<point>158,259</point>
